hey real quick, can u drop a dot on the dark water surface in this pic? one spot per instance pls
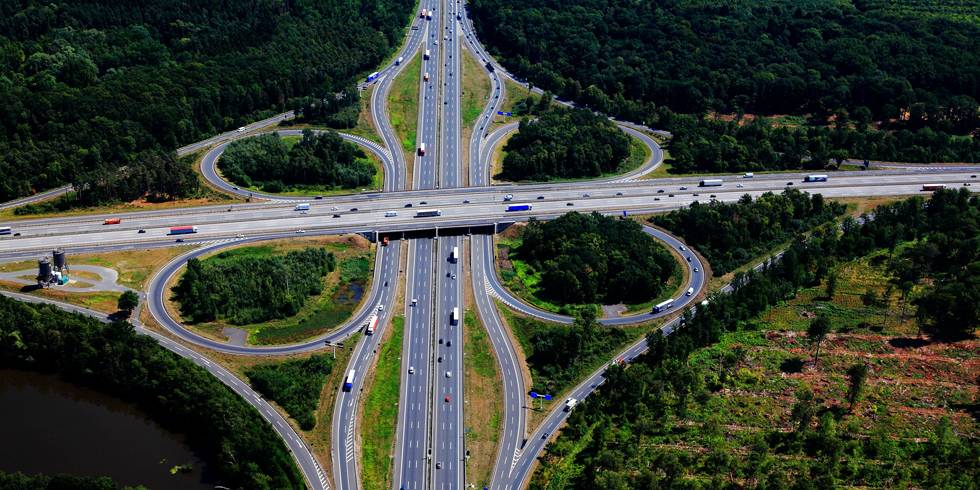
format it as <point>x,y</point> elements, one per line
<point>50,426</point>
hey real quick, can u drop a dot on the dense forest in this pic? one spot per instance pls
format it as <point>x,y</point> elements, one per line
<point>243,288</point>
<point>112,358</point>
<point>595,259</point>
<point>99,93</point>
<point>20,481</point>
<point>295,385</point>
<point>729,234</point>
<point>319,159</point>
<point>562,143</point>
<point>607,443</point>
<point>862,66</point>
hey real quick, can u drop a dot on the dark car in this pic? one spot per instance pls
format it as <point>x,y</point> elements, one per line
<point>17,234</point>
<point>789,183</point>
<point>408,205</point>
<point>336,216</point>
<point>353,209</point>
<point>569,204</point>
<point>141,231</point>
<point>180,240</point>
<point>423,203</point>
<point>619,193</point>
<point>466,201</point>
<point>318,197</point>
<point>661,191</point>
<point>540,197</point>
<point>670,195</point>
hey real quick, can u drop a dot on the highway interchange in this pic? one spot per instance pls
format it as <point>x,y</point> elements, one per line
<point>430,443</point>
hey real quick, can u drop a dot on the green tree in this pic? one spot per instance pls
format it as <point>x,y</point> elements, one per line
<point>804,409</point>
<point>816,333</point>
<point>128,301</point>
<point>857,375</point>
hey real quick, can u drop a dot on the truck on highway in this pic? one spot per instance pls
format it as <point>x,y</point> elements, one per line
<point>711,183</point>
<point>391,214</point>
<point>428,15</point>
<point>425,213</point>
<point>748,175</point>
<point>426,55</point>
<point>5,230</point>
<point>370,324</point>
<point>569,404</point>
<point>349,380</point>
<point>422,150</point>
<point>399,60</point>
<point>815,178</point>
<point>454,316</point>
<point>183,230</point>
<point>303,206</point>
<point>374,76</point>
<point>425,76</point>
<point>422,15</point>
<point>112,221</point>
<point>663,306</point>
<point>933,187</point>
<point>454,255</point>
<point>518,207</point>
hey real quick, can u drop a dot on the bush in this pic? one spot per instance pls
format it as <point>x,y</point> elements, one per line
<point>294,385</point>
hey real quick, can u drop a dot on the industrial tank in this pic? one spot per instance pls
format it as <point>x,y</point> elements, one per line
<point>43,269</point>
<point>59,259</point>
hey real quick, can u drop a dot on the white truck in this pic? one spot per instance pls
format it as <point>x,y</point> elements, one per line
<point>569,404</point>
<point>303,206</point>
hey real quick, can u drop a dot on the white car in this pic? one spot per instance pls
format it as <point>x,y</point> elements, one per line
<point>739,185</point>
<point>241,236</point>
<point>454,276</point>
<point>411,369</point>
<point>300,231</point>
<point>381,307</point>
<point>509,197</point>
<point>241,129</point>
<point>449,374</point>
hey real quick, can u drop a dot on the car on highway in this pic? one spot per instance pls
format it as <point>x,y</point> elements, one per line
<point>660,191</point>
<point>333,208</point>
<point>241,129</point>
<point>415,301</point>
<point>449,343</point>
<point>695,194</point>
<point>683,248</point>
<point>544,436</point>
<point>670,195</point>
<point>439,463</point>
<point>179,240</point>
<point>712,196</point>
<point>336,216</point>
<point>466,201</point>
<point>789,183</point>
<point>239,236</point>
<point>439,359</point>
<point>449,374</point>
<point>300,231</point>
<point>688,258</point>
<point>739,186</point>
<point>586,195</point>
<point>353,209</point>
<point>619,193</point>
<point>509,197</point>
<point>697,270</point>
<point>318,197</point>
<point>423,203</point>
<point>411,369</point>
<point>141,231</point>
<point>236,187</point>
<point>569,204</point>
<point>683,187</point>
<point>454,276</point>
<point>381,307</point>
<point>447,398</point>
<point>540,197</point>
<point>408,205</point>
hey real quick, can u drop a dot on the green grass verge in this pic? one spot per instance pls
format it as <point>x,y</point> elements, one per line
<point>484,405</point>
<point>381,412</point>
<point>476,89</point>
<point>403,103</point>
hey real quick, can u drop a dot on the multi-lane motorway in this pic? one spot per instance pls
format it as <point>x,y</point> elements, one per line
<point>430,445</point>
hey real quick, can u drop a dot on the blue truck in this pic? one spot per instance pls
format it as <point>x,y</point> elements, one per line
<point>519,207</point>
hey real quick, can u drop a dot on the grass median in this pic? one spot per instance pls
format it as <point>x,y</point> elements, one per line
<point>403,105</point>
<point>484,406</point>
<point>380,412</point>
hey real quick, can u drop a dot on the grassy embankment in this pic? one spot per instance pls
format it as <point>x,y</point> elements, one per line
<point>380,412</point>
<point>484,401</point>
<point>476,91</point>
<point>522,280</point>
<point>403,107</point>
<point>339,299</point>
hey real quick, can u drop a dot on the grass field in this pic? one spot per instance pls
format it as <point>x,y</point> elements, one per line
<point>381,412</point>
<point>484,407</point>
<point>403,104</point>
